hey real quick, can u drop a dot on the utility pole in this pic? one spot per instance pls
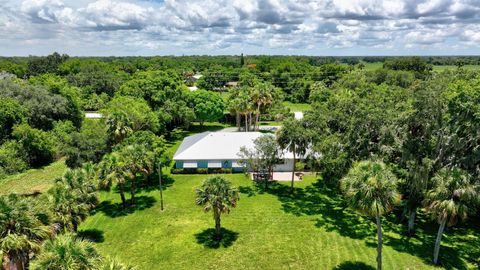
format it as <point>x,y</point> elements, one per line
<point>160,182</point>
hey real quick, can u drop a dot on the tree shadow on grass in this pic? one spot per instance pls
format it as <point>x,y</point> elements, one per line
<point>92,235</point>
<point>323,201</point>
<point>207,238</point>
<point>116,210</point>
<point>153,182</point>
<point>353,266</point>
<point>327,204</point>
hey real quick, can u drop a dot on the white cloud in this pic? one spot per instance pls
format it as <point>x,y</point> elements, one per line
<point>225,26</point>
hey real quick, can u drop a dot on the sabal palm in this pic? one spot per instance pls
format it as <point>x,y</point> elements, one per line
<point>66,252</point>
<point>20,232</point>
<point>294,138</point>
<point>261,96</point>
<point>453,197</point>
<point>371,189</point>
<point>119,125</point>
<point>72,198</point>
<point>136,160</point>
<point>110,171</point>
<point>219,196</point>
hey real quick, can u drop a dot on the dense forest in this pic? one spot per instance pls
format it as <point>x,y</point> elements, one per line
<point>421,124</point>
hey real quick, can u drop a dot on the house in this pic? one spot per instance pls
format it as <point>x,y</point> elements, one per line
<point>231,84</point>
<point>217,150</point>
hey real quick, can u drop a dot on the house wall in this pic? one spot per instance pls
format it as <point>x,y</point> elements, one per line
<point>284,167</point>
<point>287,166</point>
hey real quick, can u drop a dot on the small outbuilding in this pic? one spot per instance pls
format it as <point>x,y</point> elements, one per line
<point>216,150</point>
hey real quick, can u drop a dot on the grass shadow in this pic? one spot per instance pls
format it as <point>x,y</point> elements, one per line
<point>323,201</point>
<point>207,238</point>
<point>153,182</point>
<point>332,214</point>
<point>116,210</point>
<point>92,235</point>
<point>353,266</point>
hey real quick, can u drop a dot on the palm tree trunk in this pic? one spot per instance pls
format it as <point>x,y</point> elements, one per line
<point>218,227</point>
<point>11,262</point>
<point>293,169</point>
<point>238,119</point>
<point>246,122</point>
<point>379,243</point>
<point>257,117</point>
<point>122,195</point>
<point>436,251</point>
<point>411,222</point>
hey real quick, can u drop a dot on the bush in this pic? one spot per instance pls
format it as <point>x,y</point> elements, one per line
<point>202,171</point>
<point>11,159</point>
<point>37,144</point>
<point>90,144</point>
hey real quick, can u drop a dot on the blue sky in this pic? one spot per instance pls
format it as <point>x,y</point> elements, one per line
<point>177,27</point>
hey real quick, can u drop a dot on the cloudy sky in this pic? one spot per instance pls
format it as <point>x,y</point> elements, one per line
<point>176,27</point>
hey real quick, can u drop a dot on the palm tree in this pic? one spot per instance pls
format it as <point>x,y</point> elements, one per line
<point>72,198</point>
<point>261,96</point>
<point>292,136</point>
<point>21,232</point>
<point>136,160</point>
<point>370,188</point>
<point>452,198</point>
<point>119,125</point>
<point>111,171</point>
<point>114,264</point>
<point>218,195</point>
<point>66,252</point>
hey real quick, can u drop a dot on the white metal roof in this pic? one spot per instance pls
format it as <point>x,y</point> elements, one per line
<point>217,146</point>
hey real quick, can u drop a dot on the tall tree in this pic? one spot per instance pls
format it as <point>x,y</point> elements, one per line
<point>110,171</point>
<point>21,232</point>
<point>263,157</point>
<point>207,105</point>
<point>453,197</point>
<point>294,137</point>
<point>370,188</point>
<point>216,194</point>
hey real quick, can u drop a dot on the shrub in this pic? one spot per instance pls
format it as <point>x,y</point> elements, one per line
<point>90,144</point>
<point>37,144</point>
<point>202,171</point>
<point>11,159</point>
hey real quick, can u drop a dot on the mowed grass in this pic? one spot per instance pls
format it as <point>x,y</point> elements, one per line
<point>34,180</point>
<point>311,229</point>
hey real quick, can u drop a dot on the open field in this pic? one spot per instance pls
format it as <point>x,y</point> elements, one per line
<point>268,230</point>
<point>33,180</point>
<point>377,65</point>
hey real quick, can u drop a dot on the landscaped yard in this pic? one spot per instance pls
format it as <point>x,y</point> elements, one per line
<point>33,180</point>
<point>275,230</point>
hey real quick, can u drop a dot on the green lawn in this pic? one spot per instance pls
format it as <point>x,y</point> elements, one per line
<point>297,107</point>
<point>377,65</point>
<point>466,67</point>
<point>273,230</point>
<point>33,180</point>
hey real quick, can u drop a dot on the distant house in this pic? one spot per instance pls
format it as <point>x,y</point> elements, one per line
<point>5,75</point>
<point>217,150</point>
<point>192,88</point>
<point>231,84</point>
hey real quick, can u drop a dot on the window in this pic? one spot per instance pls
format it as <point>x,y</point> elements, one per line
<point>190,164</point>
